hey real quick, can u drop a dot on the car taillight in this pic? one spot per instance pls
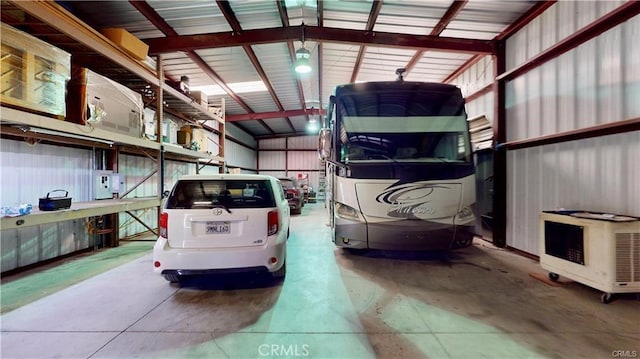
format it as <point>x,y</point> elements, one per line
<point>164,225</point>
<point>272,223</point>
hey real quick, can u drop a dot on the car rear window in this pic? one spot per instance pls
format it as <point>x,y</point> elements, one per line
<point>203,194</point>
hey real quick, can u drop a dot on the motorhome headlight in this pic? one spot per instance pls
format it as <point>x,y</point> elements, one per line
<point>347,212</point>
<point>465,214</point>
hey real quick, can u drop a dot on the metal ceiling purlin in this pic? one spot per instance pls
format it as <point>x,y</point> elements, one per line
<point>230,16</point>
<point>146,10</point>
<point>448,16</point>
<point>320,22</point>
<point>284,18</point>
<point>373,16</point>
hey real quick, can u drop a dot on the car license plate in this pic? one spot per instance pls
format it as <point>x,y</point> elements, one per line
<point>218,227</point>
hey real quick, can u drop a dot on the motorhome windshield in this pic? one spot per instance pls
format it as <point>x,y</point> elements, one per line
<point>409,125</point>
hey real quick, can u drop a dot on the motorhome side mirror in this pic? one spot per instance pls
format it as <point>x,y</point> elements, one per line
<point>165,194</point>
<point>324,143</point>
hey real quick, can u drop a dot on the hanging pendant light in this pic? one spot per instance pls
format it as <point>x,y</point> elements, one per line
<point>303,66</point>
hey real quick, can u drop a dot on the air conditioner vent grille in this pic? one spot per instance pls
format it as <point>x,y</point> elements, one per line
<point>627,257</point>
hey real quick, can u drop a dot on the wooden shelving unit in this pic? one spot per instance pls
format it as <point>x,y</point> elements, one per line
<point>54,25</point>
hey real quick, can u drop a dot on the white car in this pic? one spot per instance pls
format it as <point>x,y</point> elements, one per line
<point>223,224</point>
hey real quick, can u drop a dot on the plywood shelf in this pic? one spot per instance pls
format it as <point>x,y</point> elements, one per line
<point>79,210</point>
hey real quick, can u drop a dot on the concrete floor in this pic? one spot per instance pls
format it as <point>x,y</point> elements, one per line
<point>478,302</point>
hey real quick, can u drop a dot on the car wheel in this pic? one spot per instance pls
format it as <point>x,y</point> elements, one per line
<point>172,277</point>
<point>280,273</point>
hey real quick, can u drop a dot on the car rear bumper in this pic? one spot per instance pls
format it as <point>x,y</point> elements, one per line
<point>194,260</point>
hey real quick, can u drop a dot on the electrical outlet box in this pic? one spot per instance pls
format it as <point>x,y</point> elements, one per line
<point>102,186</point>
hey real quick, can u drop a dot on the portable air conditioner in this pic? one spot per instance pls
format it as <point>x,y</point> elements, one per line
<point>595,249</point>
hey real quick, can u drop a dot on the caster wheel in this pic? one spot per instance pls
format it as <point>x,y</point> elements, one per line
<point>554,276</point>
<point>606,298</point>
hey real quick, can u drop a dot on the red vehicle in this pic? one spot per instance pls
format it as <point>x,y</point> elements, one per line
<point>293,193</point>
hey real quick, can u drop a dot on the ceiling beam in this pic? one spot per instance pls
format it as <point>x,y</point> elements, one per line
<point>371,22</point>
<point>316,33</point>
<point>284,19</point>
<point>446,19</point>
<point>230,16</point>
<point>147,11</point>
<point>276,114</point>
<point>320,19</point>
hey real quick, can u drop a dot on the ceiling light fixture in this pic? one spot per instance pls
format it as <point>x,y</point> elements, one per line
<point>303,66</point>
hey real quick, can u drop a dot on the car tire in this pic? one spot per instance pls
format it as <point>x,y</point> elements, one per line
<point>280,273</point>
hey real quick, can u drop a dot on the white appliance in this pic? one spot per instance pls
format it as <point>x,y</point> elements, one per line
<point>595,249</point>
<point>106,184</point>
<point>113,107</point>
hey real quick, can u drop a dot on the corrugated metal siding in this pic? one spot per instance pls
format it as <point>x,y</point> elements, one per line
<point>475,77</point>
<point>133,169</point>
<point>303,142</point>
<point>380,63</point>
<point>240,135</point>
<point>272,144</point>
<point>30,172</point>
<point>239,156</point>
<point>303,160</point>
<point>341,59</point>
<point>587,86</point>
<point>272,160</point>
<point>555,24</point>
<point>276,62</point>
<point>483,105</point>
<point>435,66</point>
<point>599,174</point>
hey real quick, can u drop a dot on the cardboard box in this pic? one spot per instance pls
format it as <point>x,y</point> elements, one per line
<point>200,97</point>
<point>129,43</point>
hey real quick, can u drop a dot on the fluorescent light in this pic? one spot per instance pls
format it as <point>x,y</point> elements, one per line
<point>312,127</point>
<point>238,87</point>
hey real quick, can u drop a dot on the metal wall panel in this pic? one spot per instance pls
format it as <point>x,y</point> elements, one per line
<point>483,105</point>
<point>555,24</point>
<point>238,134</point>
<point>587,86</point>
<point>303,142</point>
<point>303,160</point>
<point>599,174</point>
<point>272,144</point>
<point>272,160</point>
<point>28,173</point>
<point>239,156</point>
<point>595,83</point>
<point>475,77</point>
